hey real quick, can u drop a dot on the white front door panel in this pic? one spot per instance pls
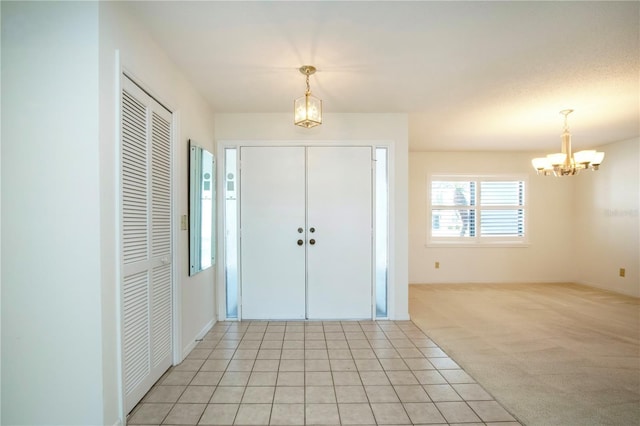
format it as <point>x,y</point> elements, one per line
<point>339,210</point>
<point>272,208</point>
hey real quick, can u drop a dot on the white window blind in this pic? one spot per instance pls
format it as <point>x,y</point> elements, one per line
<point>477,209</point>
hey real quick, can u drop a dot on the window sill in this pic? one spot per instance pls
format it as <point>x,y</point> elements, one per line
<point>459,244</point>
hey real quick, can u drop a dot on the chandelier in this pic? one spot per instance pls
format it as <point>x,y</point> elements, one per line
<point>565,163</point>
<point>307,110</point>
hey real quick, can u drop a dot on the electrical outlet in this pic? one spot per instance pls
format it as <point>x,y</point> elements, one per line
<point>622,272</point>
<point>437,265</point>
<point>183,222</point>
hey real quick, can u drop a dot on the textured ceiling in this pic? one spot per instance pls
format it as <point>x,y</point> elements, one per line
<point>471,75</point>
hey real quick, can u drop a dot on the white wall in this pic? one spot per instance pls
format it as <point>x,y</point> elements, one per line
<point>607,221</point>
<point>142,58</point>
<point>51,304</point>
<point>344,127</point>
<point>582,228</point>
<point>59,257</point>
<point>547,258</point>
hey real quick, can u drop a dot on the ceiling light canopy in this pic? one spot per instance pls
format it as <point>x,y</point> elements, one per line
<point>307,110</point>
<point>565,163</point>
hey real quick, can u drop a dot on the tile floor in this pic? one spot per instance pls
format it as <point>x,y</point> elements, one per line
<point>318,373</point>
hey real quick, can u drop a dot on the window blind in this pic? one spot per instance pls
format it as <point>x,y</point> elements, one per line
<point>477,209</point>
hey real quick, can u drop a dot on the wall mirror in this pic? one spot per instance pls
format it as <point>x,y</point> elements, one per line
<point>202,207</point>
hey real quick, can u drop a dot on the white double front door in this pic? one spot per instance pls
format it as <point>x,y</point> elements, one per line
<point>306,232</point>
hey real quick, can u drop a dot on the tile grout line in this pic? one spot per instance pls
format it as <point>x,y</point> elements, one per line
<point>243,330</point>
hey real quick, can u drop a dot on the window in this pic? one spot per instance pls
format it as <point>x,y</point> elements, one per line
<point>231,231</point>
<point>382,231</point>
<point>477,209</point>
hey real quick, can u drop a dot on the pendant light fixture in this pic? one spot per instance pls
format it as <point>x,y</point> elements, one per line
<point>565,163</point>
<point>307,110</point>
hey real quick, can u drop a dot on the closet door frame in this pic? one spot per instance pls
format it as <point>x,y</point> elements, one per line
<point>122,73</point>
<point>237,144</point>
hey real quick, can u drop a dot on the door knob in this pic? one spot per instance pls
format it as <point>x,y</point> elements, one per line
<point>312,241</point>
<point>300,242</point>
<point>312,230</point>
<point>300,230</point>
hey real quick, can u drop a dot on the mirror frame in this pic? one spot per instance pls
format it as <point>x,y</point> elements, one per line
<point>202,208</point>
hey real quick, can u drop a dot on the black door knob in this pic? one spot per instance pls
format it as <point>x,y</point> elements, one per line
<point>300,242</point>
<point>312,241</point>
<point>312,229</point>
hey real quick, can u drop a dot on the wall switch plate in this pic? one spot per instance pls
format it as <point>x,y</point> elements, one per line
<point>622,272</point>
<point>437,265</point>
<point>183,222</point>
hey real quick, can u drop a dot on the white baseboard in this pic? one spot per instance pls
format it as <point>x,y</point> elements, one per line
<point>118,423</point>
<point>402,317</point>
<point>486,282</point>
<point>194,341</point>
<point>626,292</point>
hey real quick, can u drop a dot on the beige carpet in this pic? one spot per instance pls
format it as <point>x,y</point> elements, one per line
<point>552,354</point>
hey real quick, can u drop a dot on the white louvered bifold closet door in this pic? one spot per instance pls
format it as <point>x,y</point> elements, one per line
<point>146,241</point>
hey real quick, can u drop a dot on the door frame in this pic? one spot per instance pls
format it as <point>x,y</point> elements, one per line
<point>122,72</point>
<point>237,144</point>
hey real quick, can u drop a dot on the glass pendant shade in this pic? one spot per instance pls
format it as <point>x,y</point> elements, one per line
<point>307,111</point>
<point>541,163</point>
<point>597,158</point>
<point>584,157</point>
<point>557,159</point>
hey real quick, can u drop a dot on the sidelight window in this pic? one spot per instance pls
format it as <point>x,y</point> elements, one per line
<point>230,191</point>
<point>382,231</point>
